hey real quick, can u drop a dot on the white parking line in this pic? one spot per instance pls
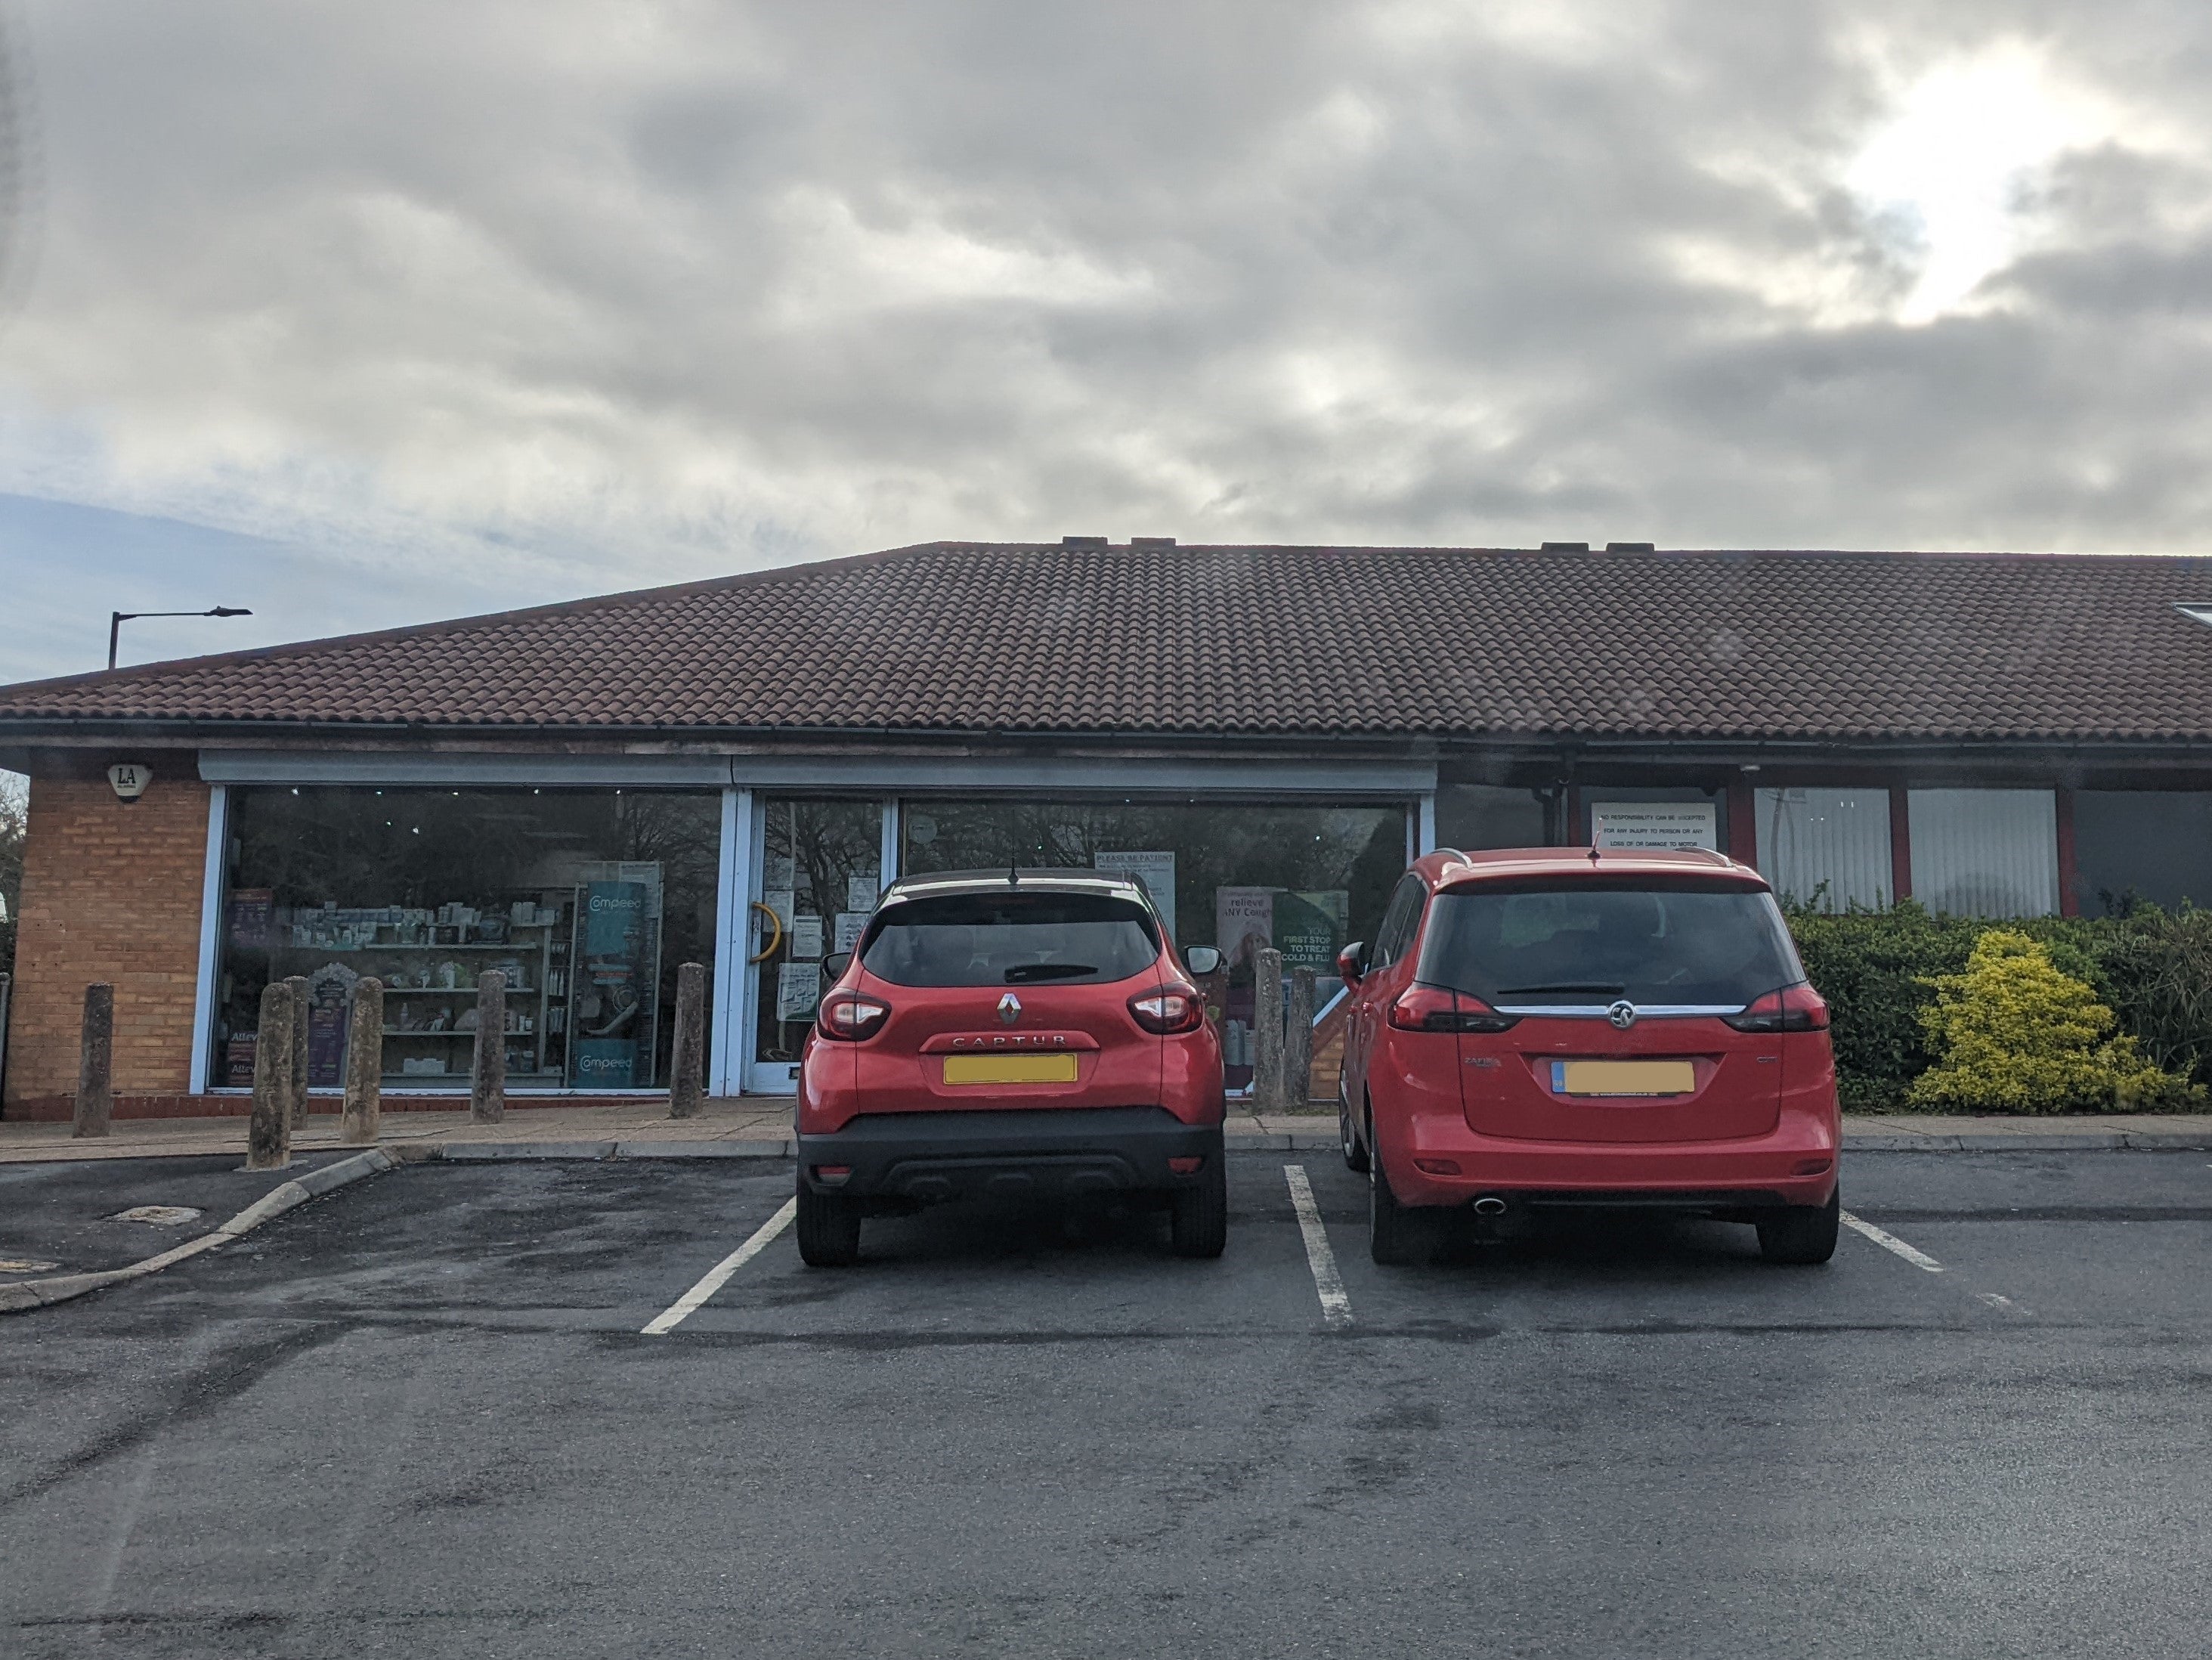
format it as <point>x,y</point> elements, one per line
<point>1335,1306</point>
<point>1890,1242</point>
<point>718,1276</point>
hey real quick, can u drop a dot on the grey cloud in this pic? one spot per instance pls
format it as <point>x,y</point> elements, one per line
<point>660,290</point>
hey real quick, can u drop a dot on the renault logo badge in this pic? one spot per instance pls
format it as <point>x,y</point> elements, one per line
<point>1622,1014</point>
<point>1010,1008</point>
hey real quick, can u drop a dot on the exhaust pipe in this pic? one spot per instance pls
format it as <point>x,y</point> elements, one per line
<point>1489,1205</point>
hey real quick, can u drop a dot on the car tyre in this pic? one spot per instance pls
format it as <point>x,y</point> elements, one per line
<point>1800,1235</point>
<point>1198,1215</point>
<point>1399,1236</point>
<point>1355,1150</point>
<point>829,1228</point>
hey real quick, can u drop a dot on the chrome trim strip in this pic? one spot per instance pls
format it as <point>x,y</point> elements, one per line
<point>1644,1011</point>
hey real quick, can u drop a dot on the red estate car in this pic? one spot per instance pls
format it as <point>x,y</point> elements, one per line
<point>1010,1033</point>
<point>1557,1027</point>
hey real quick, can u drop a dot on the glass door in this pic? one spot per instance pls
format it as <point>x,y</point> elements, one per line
<point>819,869</point>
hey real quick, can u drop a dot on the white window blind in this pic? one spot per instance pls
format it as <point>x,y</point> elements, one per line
<point>1985,853</point>
<point>1827,845</point>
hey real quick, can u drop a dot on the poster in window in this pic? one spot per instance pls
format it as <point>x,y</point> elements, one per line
<point>1243,923</point>
<point>1309,929</point>
<point>797,988</point>
<point>612,987</point>
<point>850,924</point>
<point>1645,826</point>
<point>252,911</point>
<point>330,1013</point>
<point>806,937</point>
<point>782,901</point>
<point>1155,869</point>
<point>860,893</point>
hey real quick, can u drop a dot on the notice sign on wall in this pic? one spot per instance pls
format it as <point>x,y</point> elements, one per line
<point>1634,826</point>
<point>1155,869</point>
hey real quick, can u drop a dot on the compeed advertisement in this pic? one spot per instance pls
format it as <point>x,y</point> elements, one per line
<point>610,997</point>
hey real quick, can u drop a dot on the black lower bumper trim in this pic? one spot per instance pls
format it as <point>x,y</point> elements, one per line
<point>1727,1199</point>
<point>927,1157</point>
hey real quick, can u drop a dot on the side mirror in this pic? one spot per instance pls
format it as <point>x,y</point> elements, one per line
<point>1352,962</point>
<point>835,964</point>
<point>1202,960</point>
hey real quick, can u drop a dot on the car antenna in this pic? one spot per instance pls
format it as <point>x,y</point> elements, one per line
<point>1593,852</point>
<point>1013,876</point>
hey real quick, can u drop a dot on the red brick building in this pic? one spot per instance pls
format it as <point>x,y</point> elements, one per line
<point>585,795</point>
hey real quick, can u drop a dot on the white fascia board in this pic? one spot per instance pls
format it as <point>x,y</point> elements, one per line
<point>450,770</point>
<point>863,774</point>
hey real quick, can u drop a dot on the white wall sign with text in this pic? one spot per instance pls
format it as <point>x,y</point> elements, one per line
<point>1642,826</point>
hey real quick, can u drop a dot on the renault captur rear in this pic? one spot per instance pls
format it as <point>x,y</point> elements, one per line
<point>1023,1033</point>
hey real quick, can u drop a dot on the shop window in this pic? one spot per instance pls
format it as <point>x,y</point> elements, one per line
<point>1472,817</point>
<point>1985,851</point>
<point>2141,846</point>
<point>588,901</point>
<point>1826,847</point>
<point>821,870</point>
<point>1237,875</point>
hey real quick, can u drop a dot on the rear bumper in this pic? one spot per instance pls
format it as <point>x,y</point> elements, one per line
<point>931,1157</point>
<point>1793,1165</point>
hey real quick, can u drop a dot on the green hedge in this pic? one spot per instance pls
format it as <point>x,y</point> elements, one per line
<point>2153,968</point>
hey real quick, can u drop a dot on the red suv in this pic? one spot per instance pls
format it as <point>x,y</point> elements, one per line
<point>1557,1027</point>
<point>1010,1033</point>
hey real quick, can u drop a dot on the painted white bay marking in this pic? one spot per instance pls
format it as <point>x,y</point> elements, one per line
<point>718,1276</point>
<point>1890,1242</point>
<point>1335,1306</point>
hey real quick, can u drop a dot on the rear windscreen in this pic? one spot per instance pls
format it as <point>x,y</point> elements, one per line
<point>1010,939</point>
<point>1584,943</point>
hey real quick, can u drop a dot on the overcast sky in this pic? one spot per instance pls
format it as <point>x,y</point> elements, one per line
<point>367,314</point>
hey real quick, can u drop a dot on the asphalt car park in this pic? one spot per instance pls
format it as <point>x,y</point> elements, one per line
<point>423,1413</point>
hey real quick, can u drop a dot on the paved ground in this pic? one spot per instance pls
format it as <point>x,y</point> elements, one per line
<point>68,1216</point>
<point>418,1416</point>
<point>761,1123</point>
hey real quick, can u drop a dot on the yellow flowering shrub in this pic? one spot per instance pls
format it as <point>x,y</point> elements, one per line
<point>2014,1034</point>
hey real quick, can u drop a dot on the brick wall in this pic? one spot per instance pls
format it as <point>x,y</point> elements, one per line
<point>110,892</point>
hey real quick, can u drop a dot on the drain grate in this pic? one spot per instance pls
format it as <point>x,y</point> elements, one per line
<point>160,1216</point>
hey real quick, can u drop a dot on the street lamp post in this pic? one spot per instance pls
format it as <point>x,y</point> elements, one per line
<point>116,619</point>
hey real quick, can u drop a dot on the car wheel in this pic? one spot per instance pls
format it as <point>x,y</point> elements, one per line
<point>1398,1235</point>
<point>829,1229</point>
<point>1355,1151</point>
<point>1801,1234</point>
<point>1198,1224</point>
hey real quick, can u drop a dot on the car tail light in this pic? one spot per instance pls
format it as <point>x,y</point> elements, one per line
<point>1437,1166</point>
<point>1793,1008</point>
<point>1169,1009</point>
<point>831,1176</point>
<point>1187,1166</point>
<point>847,1017</point>
<point>1433,1009</point>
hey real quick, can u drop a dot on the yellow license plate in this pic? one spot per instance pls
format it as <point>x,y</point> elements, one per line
<point>1010,1068</point>
<point>1623,1077</point>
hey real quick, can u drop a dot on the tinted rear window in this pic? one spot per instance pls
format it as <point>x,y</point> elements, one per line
<point>1010,939</point>
<point>1582,942</point>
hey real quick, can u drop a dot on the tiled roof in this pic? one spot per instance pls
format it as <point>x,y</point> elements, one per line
<point>967,637</point>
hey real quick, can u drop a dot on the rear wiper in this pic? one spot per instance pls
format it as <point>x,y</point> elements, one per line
<point>1516,991</point>
<point>1022,971</point>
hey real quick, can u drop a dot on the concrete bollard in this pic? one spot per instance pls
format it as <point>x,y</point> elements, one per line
<point>269,1132</point>
<point>364,1074</point>
<point>687,1072</point>
<point>1297,1042</point>
<point>1267,1030</point>
<point>96,1077</point>
<point>488,1076</point>
<point>303,998</point>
